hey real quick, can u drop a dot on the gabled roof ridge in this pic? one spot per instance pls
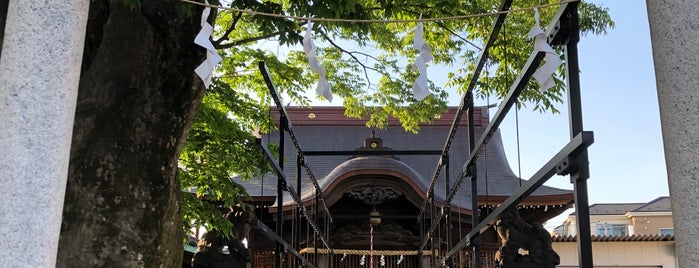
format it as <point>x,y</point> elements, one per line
<point>617,204</point>
<point>627,207</point>
<point>612,208</point>
<point>652,202</point>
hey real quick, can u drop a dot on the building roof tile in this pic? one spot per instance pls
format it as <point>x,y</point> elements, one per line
<point>613,208</point>
<point>347,134</point>
<point>659,204</point>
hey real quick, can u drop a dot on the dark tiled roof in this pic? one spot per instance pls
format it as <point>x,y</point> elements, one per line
<point>492,164</point>
<point>626,238</point>
<point>613,208</point>
<point>659,204</point>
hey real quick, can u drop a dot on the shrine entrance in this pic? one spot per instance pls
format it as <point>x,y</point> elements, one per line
<point>397,228</point>
<point>377,189</point>
<point>389,200</point>
<point>390,205</point>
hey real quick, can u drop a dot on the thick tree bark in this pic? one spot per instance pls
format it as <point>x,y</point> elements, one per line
<point>137,99</point>
<point>3,17</point>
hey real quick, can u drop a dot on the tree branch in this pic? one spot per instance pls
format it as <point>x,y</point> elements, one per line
<point>229,30</point>
<point>247,40</point>
<point>251,39</point>
<point>441,25</point>
<point>352,54</point>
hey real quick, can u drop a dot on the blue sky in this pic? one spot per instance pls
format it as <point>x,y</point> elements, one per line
<point>620,105</point>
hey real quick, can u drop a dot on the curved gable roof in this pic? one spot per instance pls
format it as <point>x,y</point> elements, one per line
<point>329,130</point>
<point>391,171</point>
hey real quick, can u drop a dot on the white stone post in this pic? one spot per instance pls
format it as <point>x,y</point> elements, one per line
<point>675,39</point>
<point>39,74</point>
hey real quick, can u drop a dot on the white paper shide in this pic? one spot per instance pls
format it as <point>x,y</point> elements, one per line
<point>544,75</point>
<point>206,69</point>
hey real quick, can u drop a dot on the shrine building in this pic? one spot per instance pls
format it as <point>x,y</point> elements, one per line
<point>392,187</point>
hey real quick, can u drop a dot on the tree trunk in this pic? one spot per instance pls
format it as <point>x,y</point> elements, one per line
<point>3,18</point>
<point>137,99</point>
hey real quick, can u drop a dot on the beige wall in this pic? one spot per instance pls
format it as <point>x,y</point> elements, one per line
<point>595,220</point>
<point>641,224</point>
<point>621,254</point>
<point>651,224</point>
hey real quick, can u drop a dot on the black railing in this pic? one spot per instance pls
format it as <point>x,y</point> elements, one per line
<point>571,160</point>
<point>281,246</point>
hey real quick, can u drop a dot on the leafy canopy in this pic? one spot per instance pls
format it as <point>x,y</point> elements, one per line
<point>368,67</point>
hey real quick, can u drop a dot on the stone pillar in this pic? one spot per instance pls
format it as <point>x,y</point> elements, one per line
<point>39,74</point>
<point>675,40</point>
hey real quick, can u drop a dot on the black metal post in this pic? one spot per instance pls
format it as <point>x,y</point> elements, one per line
<point>299,207</point>
<point>421,223</point>
<point>269,233</point>
<point>482,59</point>
<point>285,125</point>
<point>269,157</point>
<point>473,171</point>
<point>281,184</point>
<point>315,234</point>
<point>433,213</point>
<point>554,166</point>
<point>581,173</point>
<point>327,235</point>
<point>447,210</point>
